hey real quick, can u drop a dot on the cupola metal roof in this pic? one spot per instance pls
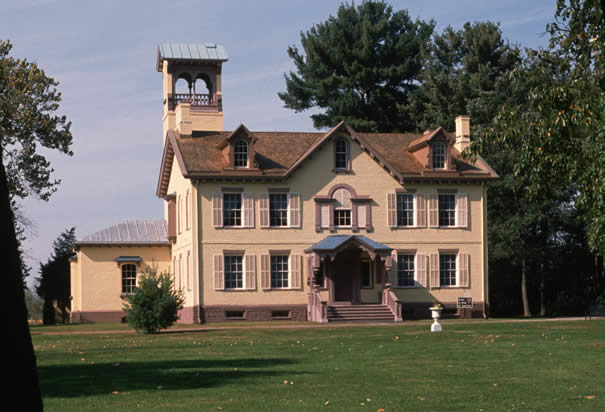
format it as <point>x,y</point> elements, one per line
<point>191,52</point>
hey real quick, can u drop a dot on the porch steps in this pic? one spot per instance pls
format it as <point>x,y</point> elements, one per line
<point>364,312</point>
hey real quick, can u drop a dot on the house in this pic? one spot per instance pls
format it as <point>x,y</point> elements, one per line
<point>313,226</point>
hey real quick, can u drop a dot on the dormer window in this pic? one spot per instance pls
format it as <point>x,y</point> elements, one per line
<point>341,155</point>
<point>438,155</point>
<point>240,154</point>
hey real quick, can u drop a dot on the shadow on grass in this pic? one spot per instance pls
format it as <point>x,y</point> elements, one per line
<point>104,378</point>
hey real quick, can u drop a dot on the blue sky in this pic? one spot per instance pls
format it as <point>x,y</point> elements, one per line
<point>103,53</point>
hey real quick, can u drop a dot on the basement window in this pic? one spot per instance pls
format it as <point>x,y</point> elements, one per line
<point>234,314</point>
<point>280,314</point>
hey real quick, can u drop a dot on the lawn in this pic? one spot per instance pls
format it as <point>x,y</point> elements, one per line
<point>469,366</point>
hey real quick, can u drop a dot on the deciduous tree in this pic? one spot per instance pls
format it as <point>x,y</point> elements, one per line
<point>28,101</point>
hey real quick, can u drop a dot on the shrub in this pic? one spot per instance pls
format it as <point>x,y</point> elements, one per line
<point>155,303</point>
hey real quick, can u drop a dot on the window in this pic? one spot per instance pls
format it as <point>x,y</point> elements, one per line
<point>447,210</point>
<point>232,209</point>
<point>342,208</point>
<point>129,277</point>
<point>405,209</point>
<point>234,272</point>
<point>341,155</point>
<point>405,271</point>
<point>447,270</point>
<point>366,274</point>
<point>240,154</point>
<point>278,209</point>
<point>279,271</point>
<point>438,155</point>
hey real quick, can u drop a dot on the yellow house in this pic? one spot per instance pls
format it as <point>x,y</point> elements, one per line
<point>326,226</point>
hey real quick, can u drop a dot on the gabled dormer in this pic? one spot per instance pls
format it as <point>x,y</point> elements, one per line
<point>434,150</point>
<point>238,150</point>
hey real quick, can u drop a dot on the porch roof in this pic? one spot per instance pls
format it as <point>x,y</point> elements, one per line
<point>333,243</point>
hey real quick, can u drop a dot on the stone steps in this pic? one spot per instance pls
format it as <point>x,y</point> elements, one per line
<point>366,312</point>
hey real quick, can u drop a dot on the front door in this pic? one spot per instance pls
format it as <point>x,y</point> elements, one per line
<point>346,275</point>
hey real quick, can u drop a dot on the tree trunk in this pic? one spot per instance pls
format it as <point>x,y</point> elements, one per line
<point>19,370</point>
<point>542,302</point>
<point>526,312</point>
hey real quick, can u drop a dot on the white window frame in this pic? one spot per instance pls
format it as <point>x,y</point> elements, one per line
<point>415,274</point>
<point>243,257</point>
<point>414,209</point>
<point>289,256</point>
<point>235,153</point>
<point>456,269</point>
<point>136,278</point>
<point>241,209</point>
<point>441,144</point>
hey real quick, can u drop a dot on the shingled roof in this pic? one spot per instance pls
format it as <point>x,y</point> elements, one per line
<point>131,232</point>
<point>278,154</point>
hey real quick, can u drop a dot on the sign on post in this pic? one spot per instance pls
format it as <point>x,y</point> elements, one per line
<point>465,302</point>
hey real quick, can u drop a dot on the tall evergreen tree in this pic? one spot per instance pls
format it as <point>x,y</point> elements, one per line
<point>361,66</point>
<point>54,281</point>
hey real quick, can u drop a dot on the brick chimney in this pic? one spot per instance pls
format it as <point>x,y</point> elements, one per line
<point>463,132</point>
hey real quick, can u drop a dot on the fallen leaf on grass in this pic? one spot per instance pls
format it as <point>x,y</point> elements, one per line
<point>115,392</point>
<point>590,397</point>
<point>379,410</point>
<point>326,403</point>
<point>285,382</point>
<point>420,398</point>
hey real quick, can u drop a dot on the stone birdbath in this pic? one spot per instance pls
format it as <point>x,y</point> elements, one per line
<point>436,313</point>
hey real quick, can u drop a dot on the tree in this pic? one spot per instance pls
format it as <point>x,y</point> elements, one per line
<point>54,282</point>
<point>155,303</point>
<point>361,66</point>
<point>461,75</point>
<point>28,99</point>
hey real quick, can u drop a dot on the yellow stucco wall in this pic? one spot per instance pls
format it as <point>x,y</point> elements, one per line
<point>316,178</point>
<point>96,279</point>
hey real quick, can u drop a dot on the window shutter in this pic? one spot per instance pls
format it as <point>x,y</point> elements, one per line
<point>462,210</point>
<point>392,209</point>
<point>420,203</point>
<point>361,216</point>
<point>219,272</point>
<point>421,269</point>
<point>434,267</point>
<point>294,209</point>
<point>188,270</point>
<point>394,267</point>
<point>464,271</point>
<point>325,216</point>
<point>264,209</point>
<point>295,271</point>
<point>265,271</point>
<point>248,202</point>
<point>217,209</point>
<point>250,271</point>
<point>433,201</point>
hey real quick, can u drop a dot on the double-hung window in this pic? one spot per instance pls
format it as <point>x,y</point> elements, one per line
<point>341,155</point>
<point>405,271</point>
<point>240,154</point>
<point>447,270</point>
<point>279,271</point>
<point>232,209</point>
<point>438,155</point>
<point>234,272</point>
<point>366,274</point>
<point>342,208</point>
<point>405,209</point>
<point>129,277</point>
<point>278,209</point>
<point>447,210</point>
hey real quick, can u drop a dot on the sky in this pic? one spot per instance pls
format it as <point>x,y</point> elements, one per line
<point>103,54</point>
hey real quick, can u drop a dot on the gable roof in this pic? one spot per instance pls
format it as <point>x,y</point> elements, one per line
<point>132,232</point>
<point>279,154</point>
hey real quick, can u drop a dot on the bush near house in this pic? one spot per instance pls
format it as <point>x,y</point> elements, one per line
<point>155,303</point>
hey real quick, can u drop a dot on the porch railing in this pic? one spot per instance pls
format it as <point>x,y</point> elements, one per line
<point>390,299</point>
<point>194,99</point>
<point>317,308</point>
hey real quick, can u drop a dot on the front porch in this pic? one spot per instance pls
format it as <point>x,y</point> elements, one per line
<point>352,269</point>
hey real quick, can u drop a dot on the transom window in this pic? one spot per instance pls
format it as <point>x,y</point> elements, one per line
<point>438,155</point>
<point>234,275</point>
<point>447,270</point>
<point>129,277</point>
<point>366,274</point>
<point>278,209</point>
<point>447,210</point>
<point>405,209</point>
<point>232,209</point>
<point>279,271</point>
<point>405,270</point>
<point>341,158</point>
<point>240,154</point>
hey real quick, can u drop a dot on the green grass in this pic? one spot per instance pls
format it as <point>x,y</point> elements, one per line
<point>488,366</point>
